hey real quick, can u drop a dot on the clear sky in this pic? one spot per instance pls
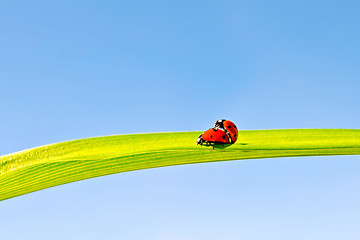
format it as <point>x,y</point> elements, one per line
<point>76,69</point>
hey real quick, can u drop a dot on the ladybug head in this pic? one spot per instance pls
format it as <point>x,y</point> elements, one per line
<point>220,123</point>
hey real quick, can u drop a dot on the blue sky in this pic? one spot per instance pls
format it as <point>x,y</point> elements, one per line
<point>76,69</point>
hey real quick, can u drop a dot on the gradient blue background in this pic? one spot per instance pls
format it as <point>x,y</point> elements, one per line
<point>76,69</point>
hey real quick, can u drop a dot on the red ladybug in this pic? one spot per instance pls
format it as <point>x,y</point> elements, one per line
<point>229,128</point>
<point>213,136</point>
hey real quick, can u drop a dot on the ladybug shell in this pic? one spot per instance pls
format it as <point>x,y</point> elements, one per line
<point>232,130</point>
<point>215,135</point>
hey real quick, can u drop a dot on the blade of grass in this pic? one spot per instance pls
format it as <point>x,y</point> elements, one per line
<point>47,166</point>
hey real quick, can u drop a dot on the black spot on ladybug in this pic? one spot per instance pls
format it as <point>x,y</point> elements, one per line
<point>210,136</point>
<point>234,126</point>
<point>224,137</point>
<point>235,135</point>
<point>229,126</point>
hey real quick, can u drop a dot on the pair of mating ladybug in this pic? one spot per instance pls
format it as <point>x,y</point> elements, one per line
<point>223,132</point>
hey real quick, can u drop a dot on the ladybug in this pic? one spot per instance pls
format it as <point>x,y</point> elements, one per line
<point>213,136</point>
<point>229,128</point>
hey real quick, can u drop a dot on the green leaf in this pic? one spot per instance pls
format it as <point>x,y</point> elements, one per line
<point>47,166</point>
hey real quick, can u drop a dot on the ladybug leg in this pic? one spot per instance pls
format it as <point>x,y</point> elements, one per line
<point>228,135</point>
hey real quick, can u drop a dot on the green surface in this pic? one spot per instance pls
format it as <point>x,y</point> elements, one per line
<point>47,166</point>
